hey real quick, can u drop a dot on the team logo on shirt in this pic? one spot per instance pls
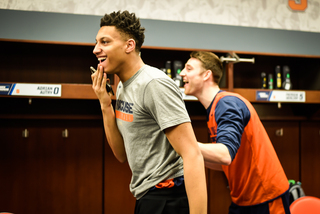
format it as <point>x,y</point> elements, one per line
<point>124,111</point>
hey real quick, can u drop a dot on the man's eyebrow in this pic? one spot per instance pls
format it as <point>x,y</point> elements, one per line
<point>102,38</point>
<point>99,39</point>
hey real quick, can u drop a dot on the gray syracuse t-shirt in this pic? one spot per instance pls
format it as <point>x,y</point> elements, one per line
<point>147,104</point>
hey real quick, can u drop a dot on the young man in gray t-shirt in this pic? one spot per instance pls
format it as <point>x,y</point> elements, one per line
<point>149,127</point>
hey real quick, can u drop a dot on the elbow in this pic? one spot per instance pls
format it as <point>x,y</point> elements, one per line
<point>225,155</point>
<point>121,159</point>
<point>226,160</point>
<point>119,154</point>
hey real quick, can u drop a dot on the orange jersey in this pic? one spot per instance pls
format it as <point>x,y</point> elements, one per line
<point>255,174</point>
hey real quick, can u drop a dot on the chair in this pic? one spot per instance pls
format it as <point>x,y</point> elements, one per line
<point>305,205</point>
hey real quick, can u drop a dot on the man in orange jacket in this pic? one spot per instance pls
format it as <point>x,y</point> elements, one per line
<point>241,146</point>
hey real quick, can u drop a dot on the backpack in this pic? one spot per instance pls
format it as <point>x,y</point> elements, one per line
<point>295,190</point>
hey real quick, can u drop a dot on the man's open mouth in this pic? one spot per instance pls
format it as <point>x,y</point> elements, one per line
<point>102,59</point>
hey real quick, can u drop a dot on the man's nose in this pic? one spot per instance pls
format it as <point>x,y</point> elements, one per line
<point>182,72</point>
<point>96,49</point>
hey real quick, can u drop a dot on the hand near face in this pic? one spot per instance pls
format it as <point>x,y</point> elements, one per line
<point>99,82</point>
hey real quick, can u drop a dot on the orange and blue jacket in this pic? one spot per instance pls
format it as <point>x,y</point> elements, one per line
<point>255,174</point>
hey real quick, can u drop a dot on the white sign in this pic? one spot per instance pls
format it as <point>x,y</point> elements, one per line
<point>25,89</point>
<point>281,96</point>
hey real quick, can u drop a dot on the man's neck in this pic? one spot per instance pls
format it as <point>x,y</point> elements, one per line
<point>207,95</point>
<point>130,68</point>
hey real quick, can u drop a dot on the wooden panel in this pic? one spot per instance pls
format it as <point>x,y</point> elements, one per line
<point>77,91</point>
<point>219,194</point>
<point>219,198</point>
<point>46,173</point>
<point>286,146</point>
<point>52,109</point>
<point>45,63</point>
<point>229,71</point>
<point>117,176</point>
<point>310,158</point>
<point>200,129</point>
<point>313,97</point>
<point>249,94</point>
<point>304,72</point>
<point>49,42</point>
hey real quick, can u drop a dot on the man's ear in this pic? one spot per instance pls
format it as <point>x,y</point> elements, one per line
<point>131,45</point>
<point>207,75</point>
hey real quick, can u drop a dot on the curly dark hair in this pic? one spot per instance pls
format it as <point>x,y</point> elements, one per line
<point>127,23</point>
<point>210,61</point>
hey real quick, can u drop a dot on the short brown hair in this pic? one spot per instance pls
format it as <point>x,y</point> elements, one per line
<point>127,23</point>
<point>210,61</point>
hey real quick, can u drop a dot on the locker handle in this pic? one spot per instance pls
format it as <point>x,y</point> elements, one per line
<point>279,132</point>
<point>25,133</point>
<point>65,133</point>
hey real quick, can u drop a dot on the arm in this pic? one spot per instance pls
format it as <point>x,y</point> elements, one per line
<point>231,115</point>
<point>215,155</point>
<point>115,140</point>
<point>184,142</point>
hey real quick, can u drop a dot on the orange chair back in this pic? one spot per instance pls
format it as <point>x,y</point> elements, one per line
<point>305,205</point>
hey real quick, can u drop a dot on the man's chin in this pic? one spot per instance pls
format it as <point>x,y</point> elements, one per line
<point>186,92</point>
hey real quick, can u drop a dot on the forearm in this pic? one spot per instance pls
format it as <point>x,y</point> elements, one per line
<point>115,140</point>
<point>113,135</point>
<point>216,153</point>
<point>195,182</point>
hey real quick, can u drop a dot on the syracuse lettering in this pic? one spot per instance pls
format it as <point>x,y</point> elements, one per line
<point>124,110</point>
